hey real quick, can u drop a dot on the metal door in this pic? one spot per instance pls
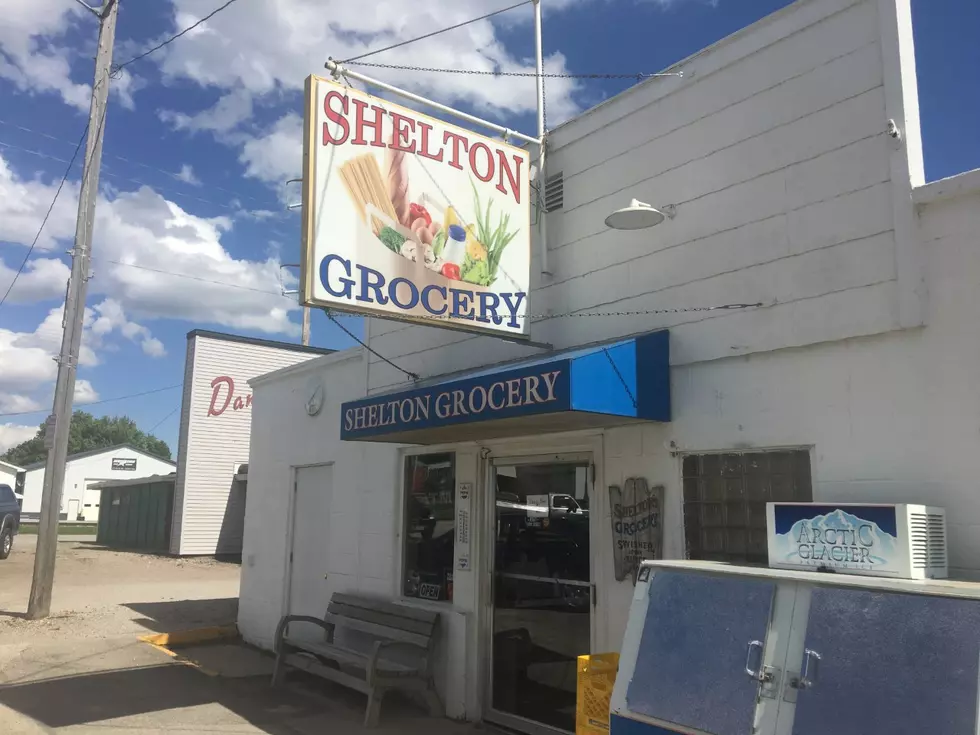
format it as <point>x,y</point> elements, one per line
<point>73,509</point>
<point>308,590</point>
<point>90,501</point>
<point>541,596</point>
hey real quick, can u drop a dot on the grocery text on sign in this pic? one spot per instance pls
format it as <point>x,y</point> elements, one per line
<point>528,390</point>
<point>346,280</point>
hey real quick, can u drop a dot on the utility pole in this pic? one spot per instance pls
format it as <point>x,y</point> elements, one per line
<point>306,325</point>
<point>59,423</point>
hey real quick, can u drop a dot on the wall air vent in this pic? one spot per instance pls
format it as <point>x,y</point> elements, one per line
<point>554,192</point>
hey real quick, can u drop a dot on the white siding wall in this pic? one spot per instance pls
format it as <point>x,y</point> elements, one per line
<point>363,540</point>
<point>80,472</point>
<point>888,418</point>
<point>208,511</point>
<point>891,418</point>
<point>788,193</point>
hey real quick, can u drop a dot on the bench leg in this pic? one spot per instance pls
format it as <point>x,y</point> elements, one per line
<point>373,712</point>
<point>432,701</point>
<point>277,671</point>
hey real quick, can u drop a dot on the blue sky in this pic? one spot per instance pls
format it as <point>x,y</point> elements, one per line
<point>201,136</point>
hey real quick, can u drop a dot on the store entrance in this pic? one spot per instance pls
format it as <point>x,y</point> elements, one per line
<point>541,592</point>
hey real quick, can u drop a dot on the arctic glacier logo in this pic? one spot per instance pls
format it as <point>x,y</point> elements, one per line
<point>835,539</point>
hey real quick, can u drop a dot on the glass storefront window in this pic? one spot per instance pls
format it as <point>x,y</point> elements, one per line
<point>430,526</point>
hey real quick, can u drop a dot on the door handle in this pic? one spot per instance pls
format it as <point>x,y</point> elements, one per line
<point>757,674</point>
<point>811,670</point>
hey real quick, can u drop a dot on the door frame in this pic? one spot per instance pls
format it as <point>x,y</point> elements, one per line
<point>485,624</point>
<point>287,584</point>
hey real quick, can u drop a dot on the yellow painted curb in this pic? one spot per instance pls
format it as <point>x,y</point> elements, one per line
<point>161,641</point>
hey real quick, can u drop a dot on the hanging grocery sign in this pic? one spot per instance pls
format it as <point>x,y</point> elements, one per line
<point>637,525</point>
<point>407,217</point>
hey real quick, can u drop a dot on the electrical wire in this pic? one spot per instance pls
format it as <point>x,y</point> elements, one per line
<point>100,402</point>
<point>54,201</point>
<point>119,67</point>
<point>435,33</point>
<point>158,423</point>
<point>409,373</point>
<point>122,177</point>
<point>171,174</point>
<point>570,314</point>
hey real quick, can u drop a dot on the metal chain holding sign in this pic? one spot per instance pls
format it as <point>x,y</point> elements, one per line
<point>637,525</point>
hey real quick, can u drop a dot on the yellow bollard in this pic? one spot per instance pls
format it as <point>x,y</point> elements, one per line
<point>596,678</point>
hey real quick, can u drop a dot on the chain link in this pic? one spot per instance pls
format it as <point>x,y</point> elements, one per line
<point>482,72</point>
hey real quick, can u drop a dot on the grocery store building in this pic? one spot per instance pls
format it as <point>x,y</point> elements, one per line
<point>512,486</point>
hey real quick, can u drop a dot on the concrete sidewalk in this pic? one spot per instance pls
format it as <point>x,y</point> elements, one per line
<point>118,685</point>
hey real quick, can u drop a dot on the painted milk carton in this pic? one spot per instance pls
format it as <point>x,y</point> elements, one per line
<point>903,541</point>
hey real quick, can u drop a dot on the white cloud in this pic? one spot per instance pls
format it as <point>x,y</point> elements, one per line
<point>13,434</point>
<point>15,403</point>
<point>140,239</point>
<point>227,113</point>
<point>153,347</point>
<point>109,316</point>
<point>273,45</point>
<point>85,393</point>
<point>276,155</point>
<point>27,359</point>
<point>188,176</point>
<point>30,58</point>
<point>42,279</point>
<point>23,204</point>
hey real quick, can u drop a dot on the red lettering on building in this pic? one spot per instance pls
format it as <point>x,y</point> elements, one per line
<point>223,395</point>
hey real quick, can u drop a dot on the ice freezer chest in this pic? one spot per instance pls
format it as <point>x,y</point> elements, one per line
<point>726,650</point>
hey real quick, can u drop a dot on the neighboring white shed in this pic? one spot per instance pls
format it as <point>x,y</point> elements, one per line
<point>215,423</point>
<point>9,473</point>
<point>78,500</point>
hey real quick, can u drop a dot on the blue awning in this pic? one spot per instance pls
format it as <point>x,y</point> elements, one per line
<point>604,385</point>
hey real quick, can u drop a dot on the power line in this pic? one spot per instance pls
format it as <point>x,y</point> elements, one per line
<point>119,67</point>
<point>100,402</point>
<point>123,177</point>
<point>638,76</point>
<point>435,33</point>
<point>157,424</point>
<point>124,159</point>
<point>409,373</point>
<point>40,229</point>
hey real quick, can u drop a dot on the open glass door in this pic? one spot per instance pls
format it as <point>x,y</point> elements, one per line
<point>541,591</point>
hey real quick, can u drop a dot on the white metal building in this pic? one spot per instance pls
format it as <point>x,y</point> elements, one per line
<point>793,155</point>
<point>79,501</point>
<point>215,420</point>
<point>9,472</point>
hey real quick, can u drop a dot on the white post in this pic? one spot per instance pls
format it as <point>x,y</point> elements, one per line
<point>542,143</point>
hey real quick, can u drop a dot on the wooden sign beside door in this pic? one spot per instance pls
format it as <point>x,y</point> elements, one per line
<point>637,525</point>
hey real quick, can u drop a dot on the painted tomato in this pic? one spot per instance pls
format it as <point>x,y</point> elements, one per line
<point>451,271</point>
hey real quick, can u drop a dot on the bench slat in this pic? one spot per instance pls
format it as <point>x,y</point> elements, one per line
<point>380,617</point>
<point>392,608</point>
<point>380,631</point>
<point>354,658</point>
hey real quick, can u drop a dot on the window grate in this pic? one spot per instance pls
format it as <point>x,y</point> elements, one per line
<point>725,498</point>
<point>554,192</point>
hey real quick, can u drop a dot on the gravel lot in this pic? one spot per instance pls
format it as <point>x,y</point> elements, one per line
<point>99,593</point>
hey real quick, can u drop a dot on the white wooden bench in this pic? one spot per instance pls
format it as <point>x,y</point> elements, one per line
<point>369,645</point>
